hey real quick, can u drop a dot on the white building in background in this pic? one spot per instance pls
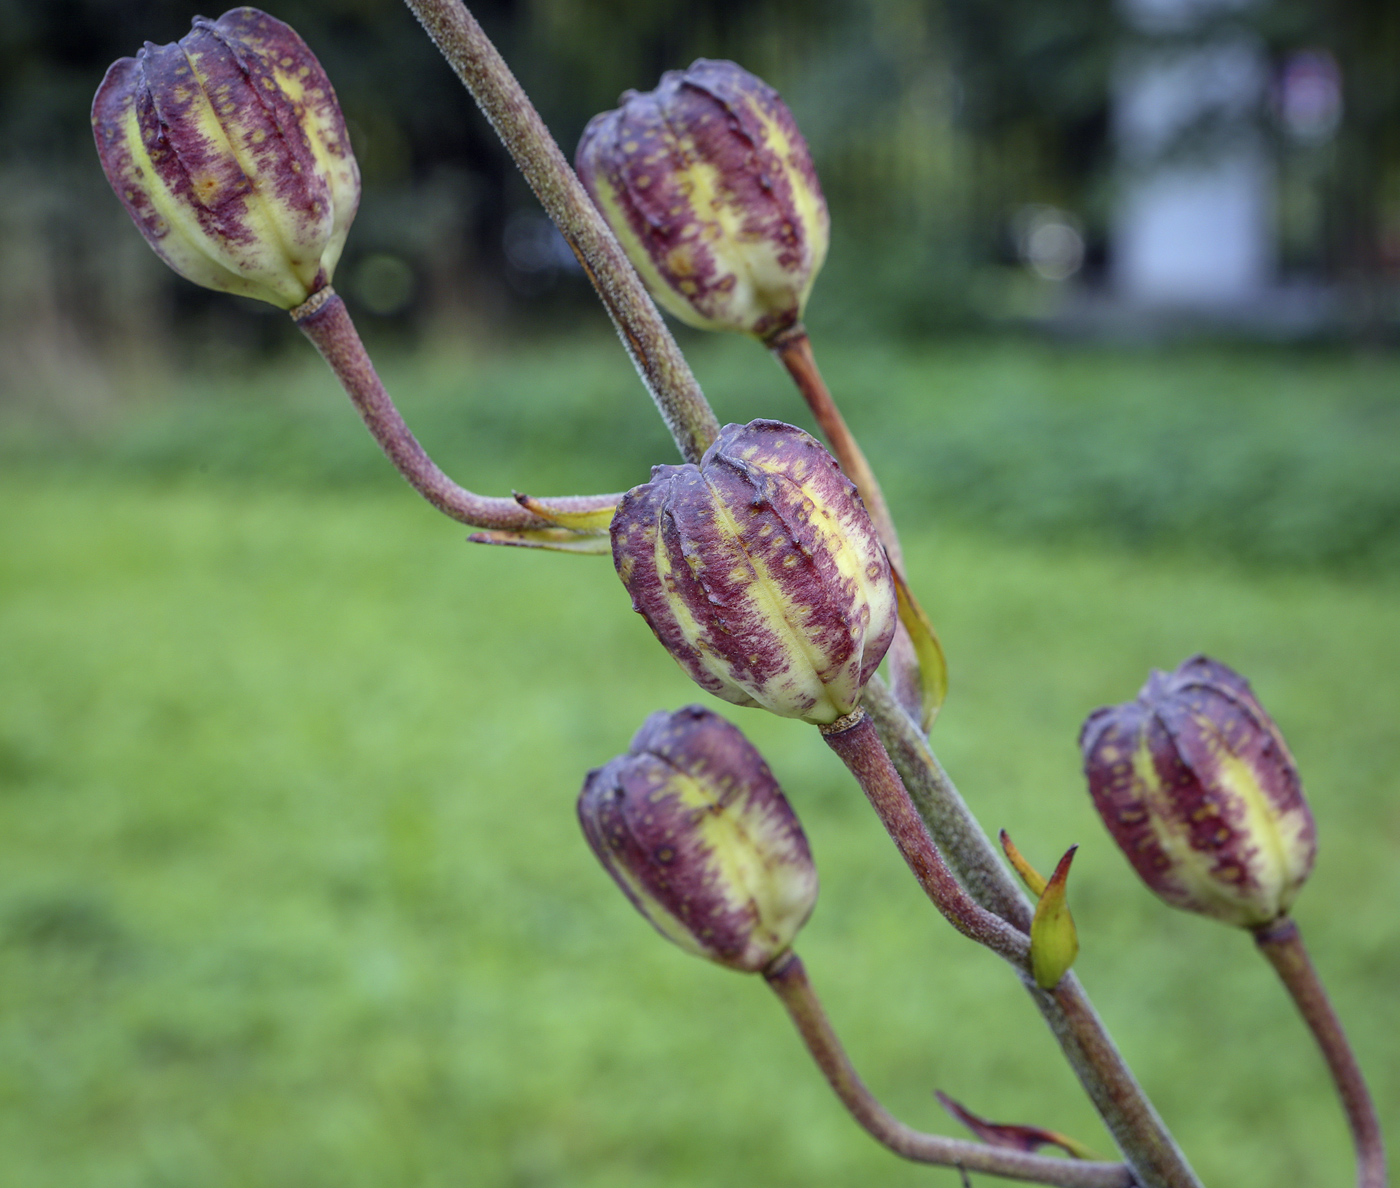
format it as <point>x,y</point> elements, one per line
<point>1194,223</point>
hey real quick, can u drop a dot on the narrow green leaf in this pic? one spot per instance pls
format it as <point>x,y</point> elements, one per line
<point>1054,941</point>
<point>933,667</point>
<point>1035,881</point>
<point>558,540</point>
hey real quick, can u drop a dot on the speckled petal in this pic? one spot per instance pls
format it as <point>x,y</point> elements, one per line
<point>1197,787</point>
<point>229,151</point>
<point>760,572</point>
<point>694,829</point>
<point>710,187</point>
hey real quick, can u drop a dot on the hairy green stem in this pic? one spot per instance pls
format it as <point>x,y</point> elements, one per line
<point>1136,1127</point>
<point>652,348</point>
<point>788,978</point>
<point>944,811</point>
<point>1282,945</point>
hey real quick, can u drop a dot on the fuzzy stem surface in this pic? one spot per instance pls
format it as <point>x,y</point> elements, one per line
<point>854,739</point>
<point>1282,945</point>
<point>651,346</point>
<point>1130,1117</point>
<point>326,322</point>
<point>789,980</point>
<point>693,426</point>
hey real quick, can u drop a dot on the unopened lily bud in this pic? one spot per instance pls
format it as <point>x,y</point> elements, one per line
<point>697,833</point>
<point>760,572</point>
<point>1195,783</point>
<point>229,151</point>
<point>709,186</point>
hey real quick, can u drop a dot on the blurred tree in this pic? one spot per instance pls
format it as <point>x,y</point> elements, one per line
<point>932,122</point>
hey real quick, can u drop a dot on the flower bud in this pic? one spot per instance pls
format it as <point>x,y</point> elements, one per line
<point>760,572</point>
<point>697,833</point>
<point>708,184</point>
<point>229,151</point>
<point>1197,787</point>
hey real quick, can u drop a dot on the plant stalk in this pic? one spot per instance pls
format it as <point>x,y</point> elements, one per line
<point>324,319</point>
<point>1282,945</point>
<point>1130,1117</point>
<point>1149,1149</point>
<point>650,345</point>
<point>793,349</point>
<point>788,978</point>
<point>854,739</point>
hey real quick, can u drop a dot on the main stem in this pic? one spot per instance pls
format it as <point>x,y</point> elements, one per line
<point>1139,1133</point>
<point>1282,945</point>
<point>1136,1127</point>
<point>657,357</point>
<point>788,978</point>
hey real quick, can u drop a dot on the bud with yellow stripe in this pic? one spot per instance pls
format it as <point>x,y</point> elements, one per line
<point>709,186</point>
<point>229,151</point>
<point>1197,786</point>
<point>693,827</point>
<point>760,572</point>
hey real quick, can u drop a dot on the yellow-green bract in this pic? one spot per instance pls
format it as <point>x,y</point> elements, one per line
<point>1197,786</point>
<point>709,186</point>
<point>760,572</point>
<point>695,830</point>
<point>229,151</point>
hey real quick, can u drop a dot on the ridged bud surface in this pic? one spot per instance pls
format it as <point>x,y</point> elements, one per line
<point>695,830</point>
<point>760,572</point>
<point>229,151</point>
<point>1195,783</point>
<point>709,186</point>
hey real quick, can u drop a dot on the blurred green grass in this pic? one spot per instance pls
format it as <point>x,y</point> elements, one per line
<point>1282,457</point>
<point>293,893</point>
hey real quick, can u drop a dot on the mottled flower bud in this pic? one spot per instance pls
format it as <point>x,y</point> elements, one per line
<point>760,572</point>
<point>709,186</point>
<point>697,833</point>
<point>229,151</point>
<point>1197,787</point>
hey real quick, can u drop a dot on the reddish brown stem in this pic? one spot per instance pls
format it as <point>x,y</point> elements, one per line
<point>1140,1133</point>
<point>793,349</point>
<point>855,740</point>
<point>789,980</point>
<point>1282,945</point>
<point>326,322</point>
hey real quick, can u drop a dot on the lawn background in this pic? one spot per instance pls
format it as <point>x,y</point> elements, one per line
<point>291,889</point>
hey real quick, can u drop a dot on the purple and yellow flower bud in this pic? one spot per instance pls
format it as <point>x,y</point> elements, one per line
<point>695,830</point>
<point>1195,783</point>
<point>709,186</point>
<point>229,151</point>
<point>760,572</point>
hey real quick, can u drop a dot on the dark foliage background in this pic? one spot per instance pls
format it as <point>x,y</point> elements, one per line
<point>932,122</point>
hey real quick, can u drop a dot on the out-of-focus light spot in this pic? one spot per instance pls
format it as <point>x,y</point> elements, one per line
<point>384,283</point>
<point>1049,241</point>
<point>1308,96</point>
